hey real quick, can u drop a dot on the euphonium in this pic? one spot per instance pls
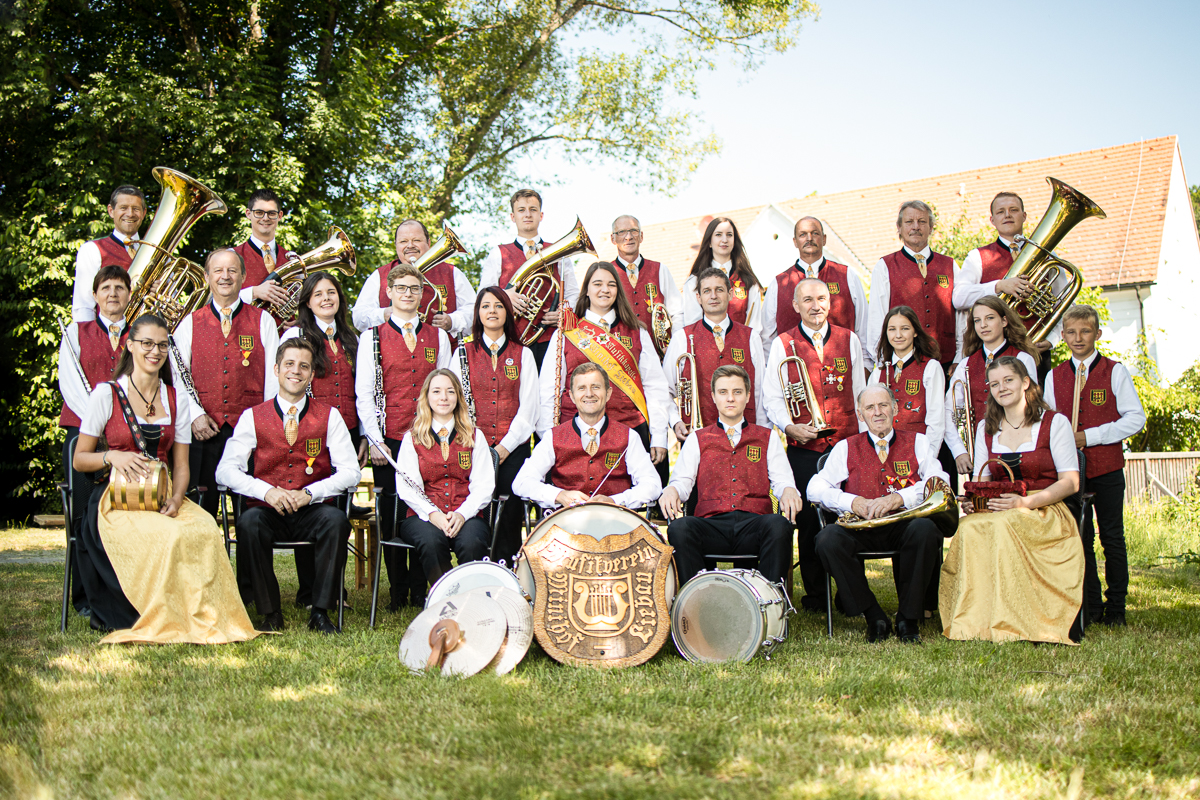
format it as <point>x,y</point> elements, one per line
<point>660,327</point>
<point>163,284</point>
<point>687,400</point>
<point>939,504</point>
<point>336,252</point>
<point>1043,308</point>
<point>800,396</point>
<point>963,414</point>
<point>447,248</point>
<point>535,281</point>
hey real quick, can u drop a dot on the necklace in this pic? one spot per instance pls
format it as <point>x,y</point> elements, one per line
<point>149,403</point>
<point>1015,427</point>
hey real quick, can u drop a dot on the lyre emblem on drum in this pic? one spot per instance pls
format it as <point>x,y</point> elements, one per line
<point>600,606</point>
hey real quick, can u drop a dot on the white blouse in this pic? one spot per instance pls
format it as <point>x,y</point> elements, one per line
<point>1062,446</point>
<point>100,409</point>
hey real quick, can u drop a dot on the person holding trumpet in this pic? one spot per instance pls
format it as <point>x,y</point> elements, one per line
<point>744,464</point>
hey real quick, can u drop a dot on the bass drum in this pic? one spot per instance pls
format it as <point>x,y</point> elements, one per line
<point>597,520</point>
<point>470,576</point>
<point>728,615</point>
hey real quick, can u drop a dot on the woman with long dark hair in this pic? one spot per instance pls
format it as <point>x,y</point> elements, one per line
<point>722,248</point>
<point>907,363</point>
<point>150,576</point>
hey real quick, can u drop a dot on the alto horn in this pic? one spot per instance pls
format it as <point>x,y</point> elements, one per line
<point>938,504</point>
<point>800,397</point>
<point>1041,310</point>
<point>535,281</point>
<point>337,252</point>
<point>660,327</point>
<point>448,247</point>
<point>963,415</point>
<point>687,400</point>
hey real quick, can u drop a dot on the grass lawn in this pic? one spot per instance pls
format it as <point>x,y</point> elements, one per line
<point>300,715</point>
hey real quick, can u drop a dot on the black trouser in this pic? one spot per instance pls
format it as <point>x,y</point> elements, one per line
<point>508,527</point>
<point>305,571</point>
<point>918,543</point>
<point>433,546</point>
<point>804,466</point>
<point>80,490</point>
<point>326,526</point>
<point>405,582</point>
<point>203,458</point>
<point>663,468</point>
<point>768,536</point>
<point>110,607</point>
<point>1109,503</point>
<point>539,352</point>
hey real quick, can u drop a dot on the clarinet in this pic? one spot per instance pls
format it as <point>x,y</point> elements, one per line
<point>465,368</point>
<point>75,357</point>
<point>380,395</point>
<point>403,475</point>
<point>185,374</point>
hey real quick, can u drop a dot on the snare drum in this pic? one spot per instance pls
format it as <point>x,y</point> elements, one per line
<point>725,615</point>
<point>148,494</point>
<point>473,575</point>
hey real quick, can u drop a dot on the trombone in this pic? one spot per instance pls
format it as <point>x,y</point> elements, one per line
<point>963,414</point>
<point>687,400</point>
<point>800,397</point>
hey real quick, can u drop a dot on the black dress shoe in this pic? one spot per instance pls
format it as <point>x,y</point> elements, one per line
<point>360,512</point>
<point>96,626</point>
<point>1113,619</point>
<point>812,603</point>
<point>320,621</point>
<point>272,622</point>
<point>908,631</point>
<point>878,630</point>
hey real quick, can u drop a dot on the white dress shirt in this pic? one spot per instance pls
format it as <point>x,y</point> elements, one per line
<point>1129,405</point>
<point>246,295</point>
<point>87,264</point>
<point>692,310</point>
<point>968,288</point>
<point>100,408</point>
<point>481,484</point>
<point>933,381</point>
<point>771,302</point>
<point>364,372</point>
<point>952,439</point>
<point>825,488</point>
<point>687,465</point>
<point>881,303</point>
<point>668,292</point>
<point>367,313</point>
<point>1062,447</point>
<point>530,482</point>
<point>489,272</point>
<point>654,382</point>
<point>773,398</point>
<point>525,422</point>
<point>231,471</point>
<point>680,344</point>
<point>70,383</point>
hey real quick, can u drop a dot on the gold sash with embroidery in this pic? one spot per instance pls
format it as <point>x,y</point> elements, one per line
<point>606,351</point>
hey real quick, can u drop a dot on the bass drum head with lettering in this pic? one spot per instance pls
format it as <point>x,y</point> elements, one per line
<point>718,617</point>
<point>597,520</point>
<point>473,575</point>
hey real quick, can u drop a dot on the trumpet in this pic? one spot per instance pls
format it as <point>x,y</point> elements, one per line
<point>938,503</point>
<point>337,252</point>
<point>800,397</point>
<point>447,248</point>
<point>963,414</point>
<point>660,327</point>
<point>1041,310</point>
<point>686,398</point>
<point>535,281</point>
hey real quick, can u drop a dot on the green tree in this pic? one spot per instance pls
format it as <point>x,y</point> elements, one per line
<point>1195,193</point>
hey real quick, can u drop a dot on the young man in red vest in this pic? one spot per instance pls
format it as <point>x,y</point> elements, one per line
<point>393,358</point>
<point>833,359</point>
<point>458,296</point>
<point>589,457</point>
<point>1109,412</point>
<point>744,464</point>
<point>261,253</point>
<point>648,285</point>
<point>505,259</point>
<point>226,348</point>
<point>127,207</point>
<point>873,474</point>
<point>847,300</point>
<point>303,458</point>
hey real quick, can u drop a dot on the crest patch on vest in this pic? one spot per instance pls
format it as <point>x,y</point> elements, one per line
<point>611,459</point>
<point>651,291</point>
<point>245,342</point>
<point>1099,397</point>
<point>739,355</point>
<point>441,290</point>
<point>754,453</point>
<point>739,291</point>
<point>839,364</point>
<point>431,355</point>
<point>944,281</point>
<point>464,459</point>
<point>625,340</point>
<point>834,287</point>
<point>510,372</point>
<point>912,385</point>
<point>312,447</point>
<point>903,468</point>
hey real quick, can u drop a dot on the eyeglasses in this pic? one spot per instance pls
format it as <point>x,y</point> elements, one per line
<point>150,344</point>
<point>402,289</point>
<point>260,214</point>
<point>627,232</point>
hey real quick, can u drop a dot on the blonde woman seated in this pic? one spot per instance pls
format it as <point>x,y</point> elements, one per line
<point>449,459</point>
<point>1017,573</point>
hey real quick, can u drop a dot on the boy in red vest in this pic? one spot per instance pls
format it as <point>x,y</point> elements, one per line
<point>1109,411</point>
<point>127,208</point>
<point>744,464</point>
<point>303,457</point>
<point>261,253</point>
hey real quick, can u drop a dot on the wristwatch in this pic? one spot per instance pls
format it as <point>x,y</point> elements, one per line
<point>307,492</point>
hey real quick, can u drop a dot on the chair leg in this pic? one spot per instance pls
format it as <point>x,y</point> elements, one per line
<point>66,597</point>
<point>829,604</point>
<point>375,579</point>
<point>341,596</point>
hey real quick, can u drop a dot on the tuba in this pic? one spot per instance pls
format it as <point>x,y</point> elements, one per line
<point>687,400</point>
<point>535,281</point>
<point>963,414</point>
<point>800,396</point>
<point>336,252</point>
<point>1043,308</point>
<point>939,504</point>
<point>447,248</point>
<point>160,279</point>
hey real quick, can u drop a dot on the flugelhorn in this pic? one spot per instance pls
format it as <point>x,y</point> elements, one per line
<point>939,504</point>
<point>535,281</point>
<point>448,247</point>
<point>800,396</point>
<point>963,414</point>
<point>660,327</point>
<point>337,252</point>
<point>687,399</point>
<point>164,284</point>
<point>1041,310</point>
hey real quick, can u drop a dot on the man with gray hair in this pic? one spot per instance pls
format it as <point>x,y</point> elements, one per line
<point>917,277</point>
<point>647,284</point>
<point>873,474</point>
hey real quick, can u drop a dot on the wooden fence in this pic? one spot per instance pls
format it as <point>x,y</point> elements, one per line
<point>1154,476</point>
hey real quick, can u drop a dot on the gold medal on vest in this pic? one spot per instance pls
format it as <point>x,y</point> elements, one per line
<point>312,448</point>
<point>246,345</point>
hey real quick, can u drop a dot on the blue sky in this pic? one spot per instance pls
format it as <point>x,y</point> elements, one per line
<point>876,92</point>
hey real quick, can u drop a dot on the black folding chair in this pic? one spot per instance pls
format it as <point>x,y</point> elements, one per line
<point>1084,498</point>
<point>497,507</point>
<point>392,540</point>
<point>66,491</point>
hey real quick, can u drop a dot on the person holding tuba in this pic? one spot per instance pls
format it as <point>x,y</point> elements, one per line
<point>127,208</point>
<point>261,253</point>
<point>813,373</point>
<point>907,363</point>
<point>872,475</point>
<point>721,248</point>
<point>504,260</point>
<point>744,465</point>
<point>650,288</point>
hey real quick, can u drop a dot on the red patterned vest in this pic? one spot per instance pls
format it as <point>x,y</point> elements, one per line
<point>330,391</point>
<point>404,372</point>
<point>113,252</point>
<point>977,375</point>
<point>620,407</point>
<point>447,481</point>
<point>703,345</point>
<point>996,259</point>
<point>574,470</point>
<point>98,359</point>
<point>832,382</point>
<point>116,431</point>
<point>648,290</point>
<point>512,256</point>
<point>871,479</point>
<point>1097,406</point>
<point>841,305</point>
<point>226,386</point>
<point>497,392</point>
<point>908,387</point>
<point>441,276</point>
<point>928,296</point>
<point>1037,465</point>
<point>286,465</point>
<point>256,270</point>
<point>739,298</point>
<point>735,479</point>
